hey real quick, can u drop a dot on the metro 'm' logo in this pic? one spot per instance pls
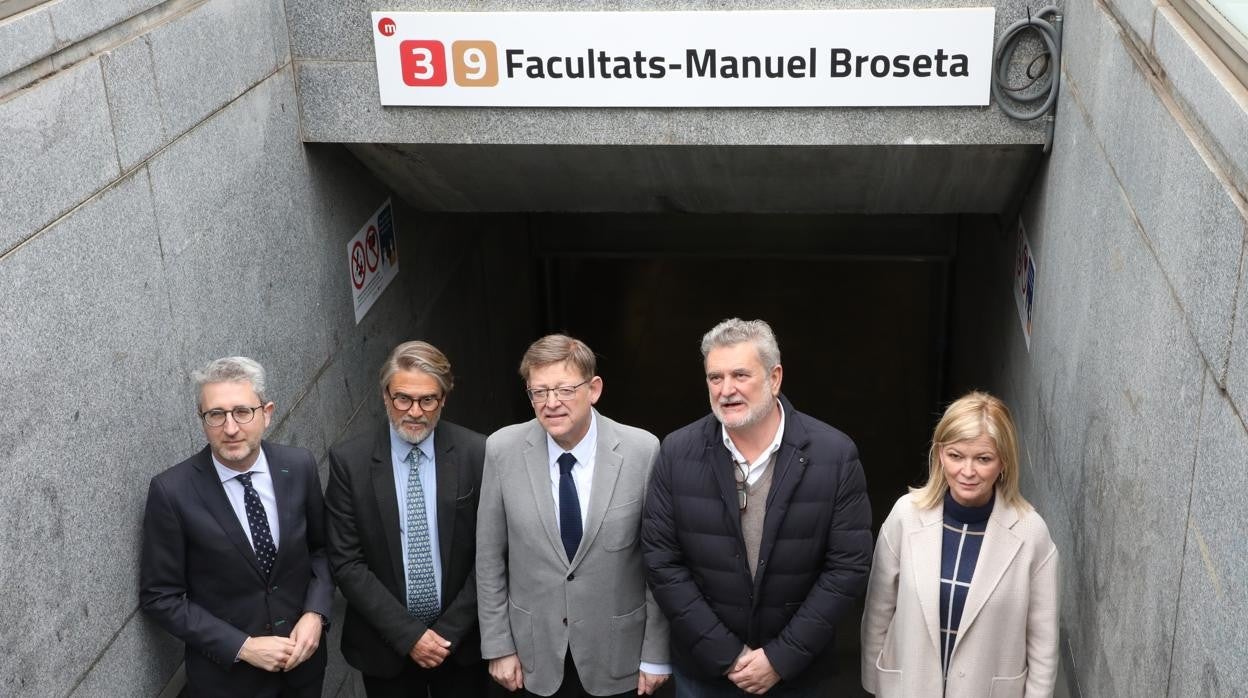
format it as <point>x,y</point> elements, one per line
<point>423,61</point>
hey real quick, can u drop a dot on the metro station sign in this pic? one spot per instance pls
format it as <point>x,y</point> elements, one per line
<point>821,58</point>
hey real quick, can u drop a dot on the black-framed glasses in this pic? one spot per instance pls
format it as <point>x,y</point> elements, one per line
<point>562,392</point>
<point>242,415</point>
<point>741,472</point>
<point>403,403</point>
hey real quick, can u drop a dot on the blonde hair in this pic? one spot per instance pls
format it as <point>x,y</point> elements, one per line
<point>971,416</point>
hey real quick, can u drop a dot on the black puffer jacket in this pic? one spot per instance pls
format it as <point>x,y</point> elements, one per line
<point>813,560</point>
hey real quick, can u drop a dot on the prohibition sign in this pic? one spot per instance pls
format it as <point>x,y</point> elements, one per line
<point>357,265</point>
<point>374,254</point>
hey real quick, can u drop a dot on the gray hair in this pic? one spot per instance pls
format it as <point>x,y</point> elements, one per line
<point>418,356</point>
<point>735,331</point>
<point>228,370</point>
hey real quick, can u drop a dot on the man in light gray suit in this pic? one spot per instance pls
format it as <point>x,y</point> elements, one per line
<point>561,588</point>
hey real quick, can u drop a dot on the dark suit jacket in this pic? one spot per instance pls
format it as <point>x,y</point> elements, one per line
<point>199,578</point>
<point>366,555</point>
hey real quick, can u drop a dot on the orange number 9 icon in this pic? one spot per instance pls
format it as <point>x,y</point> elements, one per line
<point>476,63</point>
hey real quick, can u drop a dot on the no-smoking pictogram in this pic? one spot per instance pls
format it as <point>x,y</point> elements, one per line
<point>357,265</point>
<point>374,254</point>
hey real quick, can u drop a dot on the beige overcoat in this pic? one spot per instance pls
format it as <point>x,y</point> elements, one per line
<point>1007,639</point>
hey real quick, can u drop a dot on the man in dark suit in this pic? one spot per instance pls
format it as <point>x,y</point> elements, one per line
<point>402,503</point>
<point>757,529</point>
<point>233,551</point>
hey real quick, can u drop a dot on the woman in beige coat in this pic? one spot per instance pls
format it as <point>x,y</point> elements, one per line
<point>962,601</point>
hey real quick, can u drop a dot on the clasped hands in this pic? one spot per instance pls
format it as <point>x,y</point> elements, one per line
<point>276,653</point>
<point>752,672</point>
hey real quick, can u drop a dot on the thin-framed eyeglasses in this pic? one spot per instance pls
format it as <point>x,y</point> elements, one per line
<point>403,403</point>
<point>741,472</point>
<point>562,392</point>
<point>241,415</point>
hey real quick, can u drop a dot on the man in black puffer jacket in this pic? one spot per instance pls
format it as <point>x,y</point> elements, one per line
<point>757,529</point>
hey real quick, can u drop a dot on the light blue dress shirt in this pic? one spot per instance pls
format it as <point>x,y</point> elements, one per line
<point>399,448</point>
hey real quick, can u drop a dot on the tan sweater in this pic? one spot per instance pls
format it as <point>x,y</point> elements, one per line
<point>754,514</point>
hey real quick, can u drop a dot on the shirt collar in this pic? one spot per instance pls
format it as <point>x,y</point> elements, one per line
<point>583,451</point>
<point>400,447</point>
<point>260,466</point>
<point>775,442</point>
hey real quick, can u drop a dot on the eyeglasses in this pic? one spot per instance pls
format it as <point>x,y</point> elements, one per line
<point>562,393</point>
<point>242,415</point>
<point>740,472</point>
<point>403,403</point>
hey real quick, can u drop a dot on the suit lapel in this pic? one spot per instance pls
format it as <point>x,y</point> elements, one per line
<point>447,477</point>
<point>535,464</point>
<point>212,493</point>
<point>382,475</point>
<point>283,492</point>
<point>1000,548</point>
<point>925,548</point>
<point>607,463</point>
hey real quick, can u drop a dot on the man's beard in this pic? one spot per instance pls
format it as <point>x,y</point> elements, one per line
<point>415,433</point>
<point>756,414</point>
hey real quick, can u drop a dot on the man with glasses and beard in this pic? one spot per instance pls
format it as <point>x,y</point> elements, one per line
<point>561,586</point>
<point>402,504</point>
<point>233,549</point>
<point>757,529</point>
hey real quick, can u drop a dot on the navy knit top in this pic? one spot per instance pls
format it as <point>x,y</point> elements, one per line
<point>959,551</point>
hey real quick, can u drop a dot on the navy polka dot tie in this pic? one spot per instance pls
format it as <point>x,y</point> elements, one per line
<point>261,537</point>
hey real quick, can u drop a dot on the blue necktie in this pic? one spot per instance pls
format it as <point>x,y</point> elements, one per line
<point>569,507</point>
<point>258,522</point>
<point>422,591</point>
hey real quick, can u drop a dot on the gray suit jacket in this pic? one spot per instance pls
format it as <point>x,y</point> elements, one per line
<point>531,599</point>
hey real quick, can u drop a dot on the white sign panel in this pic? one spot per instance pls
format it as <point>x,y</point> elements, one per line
<point>1024,283</point>
<point>822,58</point>
<point>372,259</point>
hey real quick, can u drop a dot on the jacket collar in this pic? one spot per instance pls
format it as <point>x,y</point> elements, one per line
<point>1000,547</point>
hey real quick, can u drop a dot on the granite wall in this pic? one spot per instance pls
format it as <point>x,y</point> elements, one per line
<point>1133,396</point>
<point>160,209</point>
<point>335,71</point>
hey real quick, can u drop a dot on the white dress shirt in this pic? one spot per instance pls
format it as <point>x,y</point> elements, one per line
<point>755,469</point>
<point>234,491</point>
<point>582,473</point>
<point>399,448</point>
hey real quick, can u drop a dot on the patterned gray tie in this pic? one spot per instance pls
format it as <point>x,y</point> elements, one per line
<point>422,591</point>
